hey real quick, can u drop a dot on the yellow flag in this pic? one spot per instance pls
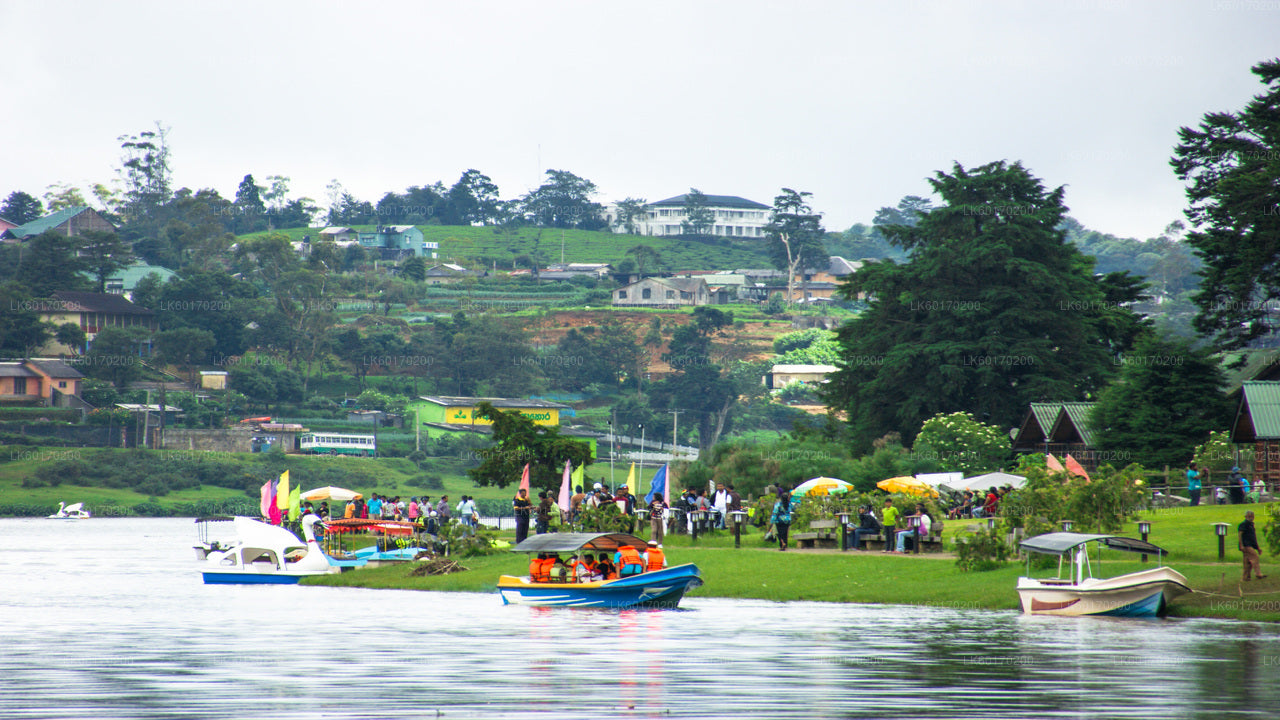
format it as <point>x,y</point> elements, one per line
<point>578,475</point>
<point>631,477</point>
<point>282,491</point>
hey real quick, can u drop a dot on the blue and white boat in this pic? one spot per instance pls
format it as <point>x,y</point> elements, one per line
<point>1146,593</point>
<point>395,541</point>
<point>256,552</point>
<point>656,589</point>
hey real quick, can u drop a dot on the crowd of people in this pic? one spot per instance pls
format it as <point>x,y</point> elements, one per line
<point>585,567</point>
<point>1237,489</point>
<point>432,516</point>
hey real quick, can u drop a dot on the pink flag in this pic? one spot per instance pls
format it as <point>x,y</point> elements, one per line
<point>1052,463</point>
<point>524,478</point>
<point>268,499</point>
<point>1075,468</point>
<point>563,502</point>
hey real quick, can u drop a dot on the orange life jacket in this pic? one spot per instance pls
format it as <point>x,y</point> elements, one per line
<point>656,559</point>
<point>540,569</point>
<point>629,556</point>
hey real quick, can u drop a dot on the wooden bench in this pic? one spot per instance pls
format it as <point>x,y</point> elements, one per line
<point>931,543</point>
<point>822,533</point>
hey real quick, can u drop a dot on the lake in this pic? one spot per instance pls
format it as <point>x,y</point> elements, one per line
<point>108,618</point>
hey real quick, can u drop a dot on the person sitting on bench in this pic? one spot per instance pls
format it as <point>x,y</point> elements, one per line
<point>868,525</point>
<point>921,530</point>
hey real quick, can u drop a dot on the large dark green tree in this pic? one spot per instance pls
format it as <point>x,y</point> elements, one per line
<point>21,208</point>
<point>699,385</point>
<point>563,201</point>
<point>1231,164</point>
<point>51,261</point>
<point>993,310</point>
<point>103,255</point>
<point>1166,400</point>
<point>519,441</point>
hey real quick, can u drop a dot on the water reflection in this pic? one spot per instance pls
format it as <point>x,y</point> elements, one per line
<point>108,618</point>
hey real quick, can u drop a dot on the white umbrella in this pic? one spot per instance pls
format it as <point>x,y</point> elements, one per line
<point>331,493</point>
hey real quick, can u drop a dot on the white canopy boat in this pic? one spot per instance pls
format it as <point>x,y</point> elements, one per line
<point>1146,593</point>
<point>263,553</point>
<point>74,511</point>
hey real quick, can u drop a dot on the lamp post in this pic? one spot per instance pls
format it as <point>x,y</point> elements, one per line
<point>1221,530</point>
<point>738,517</point>
<point>991,523</point>
<point>612,447</point>
<point>1067,525</point>
<point>844,529</point>
<point>913,523</point>
<point>696,517</point>
<point>1144,527</point>
<point>640,474</point>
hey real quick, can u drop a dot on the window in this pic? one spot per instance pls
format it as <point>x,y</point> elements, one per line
<point>671,294</point>
<point>622,294</point>
<point>646,293</point>
<point>20,386</point>
<point>684,295</point>
<point>62,384</point>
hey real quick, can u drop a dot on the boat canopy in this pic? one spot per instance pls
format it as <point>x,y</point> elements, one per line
<point>1061,543</point>
<point>389,527</point>
<point>568,542</point>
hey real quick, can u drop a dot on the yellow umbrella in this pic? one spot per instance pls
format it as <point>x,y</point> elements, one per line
<point>331,493</point>
<point>822,486</point>
<point>907,484</point>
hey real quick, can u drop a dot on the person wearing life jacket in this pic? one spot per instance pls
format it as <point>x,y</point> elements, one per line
<point>605,568</point>
<point>559,571</point>
<point>628,561</point>
<point>540,568</point>
<point>654,558</point>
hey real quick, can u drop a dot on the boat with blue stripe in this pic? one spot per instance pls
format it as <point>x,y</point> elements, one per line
<point>1146,593</point>
<point>654,589</point>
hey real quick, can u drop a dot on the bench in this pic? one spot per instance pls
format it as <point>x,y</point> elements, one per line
<point>822,533</point>
<point>931,543</point>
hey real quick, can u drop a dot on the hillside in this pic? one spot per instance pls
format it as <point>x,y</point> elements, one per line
<point>487,245</point>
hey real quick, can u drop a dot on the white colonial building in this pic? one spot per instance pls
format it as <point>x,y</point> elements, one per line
<point>734,217</point>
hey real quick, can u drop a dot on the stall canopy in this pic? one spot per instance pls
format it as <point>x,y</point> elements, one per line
<point>331,493</point>
<point>993,479</point>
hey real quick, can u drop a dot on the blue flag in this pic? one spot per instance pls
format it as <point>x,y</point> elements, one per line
<point>658,485</point>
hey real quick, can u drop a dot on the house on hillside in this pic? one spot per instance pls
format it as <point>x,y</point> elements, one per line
<point>6,225</point>
<point>810,286</point>
<point>1063,428</point>
<point>340,234</point>
<point>447,274</point>
<point>663,293</point>
<point>40,382</point>
<point>70,221</point>
<point>781,376</point>
<point>93,312</point>
<point>734,217</point>
<point>461,411</point>
<point>397,242</point>
<point>124,281</point>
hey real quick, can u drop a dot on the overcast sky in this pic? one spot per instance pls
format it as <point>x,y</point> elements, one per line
<point>855,102</point>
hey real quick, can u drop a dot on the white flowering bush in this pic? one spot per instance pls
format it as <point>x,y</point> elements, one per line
<point>959,443</point>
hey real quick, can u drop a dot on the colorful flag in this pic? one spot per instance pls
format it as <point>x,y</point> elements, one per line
<point>282,491</point>
<point>1052,463</point>
<point>657,486</point>
<point>1075,468</point>
<point>267,500</point>
<point>631,477</point>
<point>524,478</point>
<point>578,475</point>
<point>295,503</point>
<point>563,500</point>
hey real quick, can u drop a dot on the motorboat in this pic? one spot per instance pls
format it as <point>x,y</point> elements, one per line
<point>395,541</point>
<point>259,552</point>
<point>659,588</point>
<point>1146,593</point>
<point>74,511</point>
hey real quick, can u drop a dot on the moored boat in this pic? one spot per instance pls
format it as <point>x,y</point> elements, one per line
<point>1146,593</point>
<point>658,588</point>
<point>395,541</point>
<point>261,553</point>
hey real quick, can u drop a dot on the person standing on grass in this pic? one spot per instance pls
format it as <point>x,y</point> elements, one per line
<point>1193,484</point>
<point>1249,547</point>
<point>890,524</point>
<point>781,518</point>
<point>523,508</point>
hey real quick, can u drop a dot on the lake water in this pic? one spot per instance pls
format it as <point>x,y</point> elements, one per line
<point>108,618</point>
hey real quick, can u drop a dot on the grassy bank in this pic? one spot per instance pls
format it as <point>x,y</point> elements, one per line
<point>760,572</point>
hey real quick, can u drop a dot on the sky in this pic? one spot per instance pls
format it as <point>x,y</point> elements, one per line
<point>858,103</point>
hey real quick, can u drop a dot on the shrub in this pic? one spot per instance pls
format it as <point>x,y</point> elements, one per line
<point>985,550</point>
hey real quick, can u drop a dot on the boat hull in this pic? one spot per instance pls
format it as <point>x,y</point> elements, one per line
<point>1141,594</point>
<point>241,578</point>
<point>659,589</point>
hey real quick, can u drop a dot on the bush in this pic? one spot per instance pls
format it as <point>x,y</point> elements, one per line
<point>985,550</point>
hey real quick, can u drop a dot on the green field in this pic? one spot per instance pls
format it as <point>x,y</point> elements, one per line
<point>759,571</point>
<point>461,243</point>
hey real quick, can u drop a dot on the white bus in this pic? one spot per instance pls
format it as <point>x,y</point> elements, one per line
<point>335,444</point>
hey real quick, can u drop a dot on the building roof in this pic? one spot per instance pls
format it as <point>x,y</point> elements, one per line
<point>132,275</point>
<point>16,369</point>
<point>1258,414</point>
<point>54,368</point>
<point>335,230</point>
<point>52,220</point>
<point>153,407</point>
<point>690,285</point>
<point>714,201</point>
<point>98,302</point>
<point>840,267</point>
<point>500,403</point>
